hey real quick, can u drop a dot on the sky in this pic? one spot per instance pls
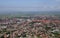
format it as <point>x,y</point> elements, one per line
<point>29,5</point>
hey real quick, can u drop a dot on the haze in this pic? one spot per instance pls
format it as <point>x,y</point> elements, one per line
<point>29,5</point>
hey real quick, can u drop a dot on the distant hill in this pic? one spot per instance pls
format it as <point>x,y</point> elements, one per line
<point>28,13</point>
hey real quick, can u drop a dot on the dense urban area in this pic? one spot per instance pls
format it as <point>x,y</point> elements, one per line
<point>30,27</point>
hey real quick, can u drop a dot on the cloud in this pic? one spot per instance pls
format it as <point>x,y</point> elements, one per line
<point>31,6</point>
<point>57,0</point>
<point>39,8</point>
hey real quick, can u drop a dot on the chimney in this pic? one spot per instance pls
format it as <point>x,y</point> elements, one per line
<point>11,35</point>
<point>5,35</point>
